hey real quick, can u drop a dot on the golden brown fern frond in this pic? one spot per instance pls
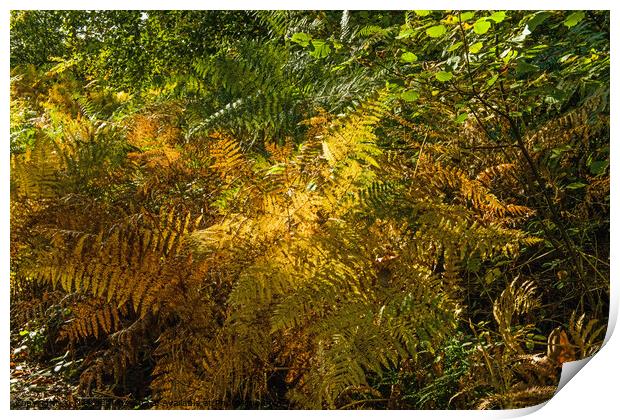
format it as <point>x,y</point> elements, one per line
<point>586,336</point>
<point>91,318</point>
<point>228,158</point>
<point>489,174</point>
<point>518,298</point>
<point>35,173</point>
<point>131,262</point>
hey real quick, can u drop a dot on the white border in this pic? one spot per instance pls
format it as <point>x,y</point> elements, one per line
<point>314,5</point>
<point>592,394</point>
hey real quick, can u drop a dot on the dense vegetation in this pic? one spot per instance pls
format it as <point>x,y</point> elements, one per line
<point>309,209</point>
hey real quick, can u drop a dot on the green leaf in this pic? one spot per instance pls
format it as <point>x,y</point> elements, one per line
<point>475,48</point>
<point>524,67</point>
<point>455,46</point>
<point>301,38</point>
<point>422,12</point>
<point>409,57</point>
<point>575,185</point>
<point>460,119</point>
<point>557,152</point>
<point>508,55</point>
<point>436,31</point>
<point>573,19</point>
<point>492,80</point>
<point>405,33</point>
<point>498,16</point>
<point>410,95</point>
<point>529,345</point>
<point>467,16</point>
<point>443,76</point>
<point>598,167</point>
<point>321,49</point>
<point>481,26</point>
<point>536,20</point>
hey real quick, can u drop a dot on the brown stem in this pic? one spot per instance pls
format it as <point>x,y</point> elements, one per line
<point>518,138</point>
